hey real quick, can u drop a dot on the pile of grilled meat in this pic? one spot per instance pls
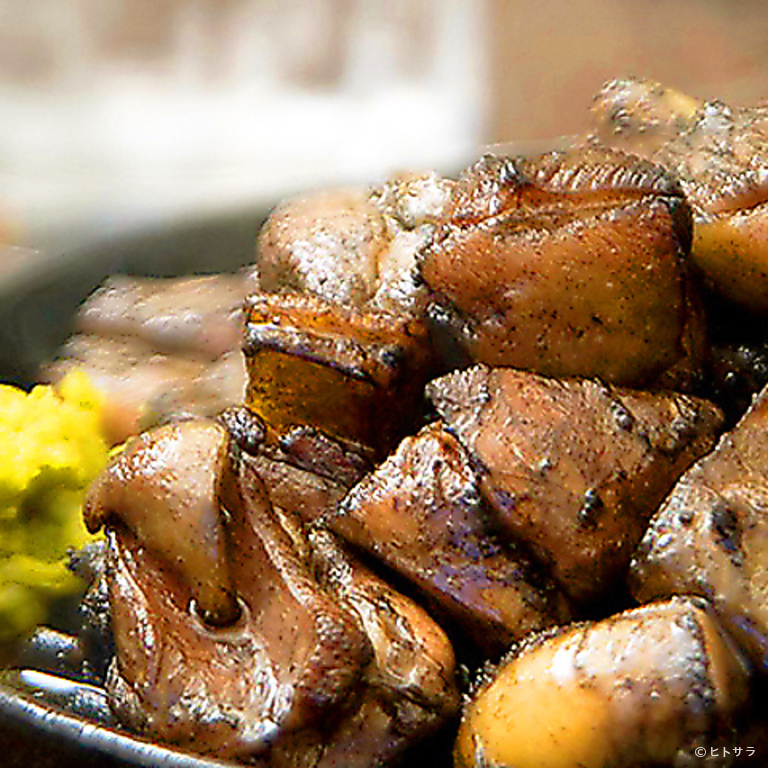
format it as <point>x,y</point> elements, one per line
<point>506,427</point>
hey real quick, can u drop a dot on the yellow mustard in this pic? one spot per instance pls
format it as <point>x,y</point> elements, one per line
<point>51,447</point>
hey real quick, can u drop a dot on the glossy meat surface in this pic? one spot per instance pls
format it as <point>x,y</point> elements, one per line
<point>408,689</point>
<point>569,264</point>
<point>652,686</point>
<point>711,535</point>
<point>322,660</point>
<point>168,480</point>
<point>573,467</point>
<point>305,470</point>
<point>421,514</point>
<point>356,375</point>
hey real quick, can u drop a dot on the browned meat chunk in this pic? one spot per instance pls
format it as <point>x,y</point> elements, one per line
<point>356,375</point>
<point>657,685</point>
<point>407,690</point>
<point>720,155</point>
<point>711,535</point>
<point>421,513</point>
<point>327,245</point>
<point>190,458</point>
<point>573,468</point>
<point>353,247</point>
<point>569,264</point>
<point>157,348</point>
<point>197,315</point>
<point>305,470</point>
<point>239,636</point>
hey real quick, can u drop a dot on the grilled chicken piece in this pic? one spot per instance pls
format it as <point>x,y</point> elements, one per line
<point>198,315</point>
<point>353,247</point>
<point>568,264</point>
<point>656,685</point>
<point>305,470</point>
<point>157,348</point>
<point>318,657</point>
<point>357,376</point>
<point>168,480</point>
<point>421,514</point>
<point>573,468</point>
<point>327,245</point>
<point>711,535</point>
<point>408,688</point>
<point>720,155</point>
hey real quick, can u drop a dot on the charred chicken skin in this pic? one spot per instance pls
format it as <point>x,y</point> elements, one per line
<point>421,514</point>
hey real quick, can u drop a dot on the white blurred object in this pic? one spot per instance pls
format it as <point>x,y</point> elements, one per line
<point>115,113</point>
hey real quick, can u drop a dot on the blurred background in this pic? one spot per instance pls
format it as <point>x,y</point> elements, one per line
<point>127,113</point>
